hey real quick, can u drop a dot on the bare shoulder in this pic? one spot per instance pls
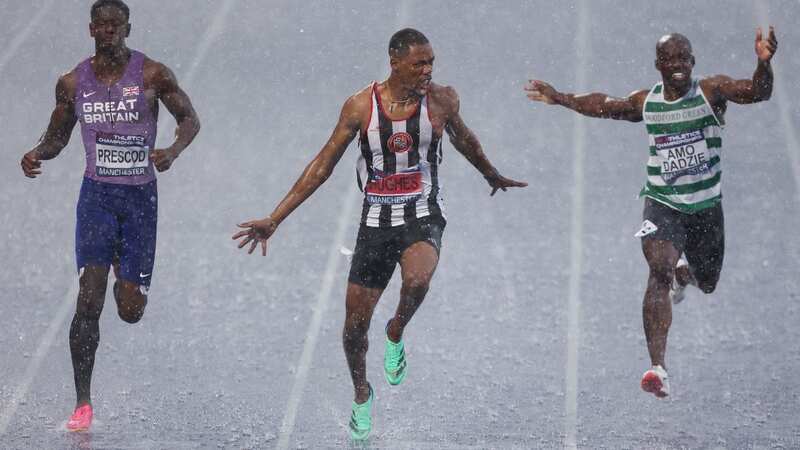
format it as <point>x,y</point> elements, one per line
<point>360,101</point>
<point>66,85</point>
<point>711,85</point>
<point>358,107</point>
<point>445,97</point>
<point>712,82</point>
<point>157,74</point>
<point>639,97</point>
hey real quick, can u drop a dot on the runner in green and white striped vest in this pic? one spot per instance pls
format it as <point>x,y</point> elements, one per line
<point>684,169</point>
<point>683,228</point>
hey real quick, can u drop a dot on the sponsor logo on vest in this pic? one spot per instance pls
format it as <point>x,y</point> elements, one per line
<point>395,189</point>
<point>678,116</point>
<point>400,142</point>
<point>677,140</point>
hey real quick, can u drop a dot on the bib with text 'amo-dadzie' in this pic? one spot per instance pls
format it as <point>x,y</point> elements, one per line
<point>683,170</point>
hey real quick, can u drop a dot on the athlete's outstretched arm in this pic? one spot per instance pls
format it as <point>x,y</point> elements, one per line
<point>757,89</point>
<point>593,105</point>
<point>62,121</point>
<point>465,141</point>
<point>179,105</point>
<point>315,173</point>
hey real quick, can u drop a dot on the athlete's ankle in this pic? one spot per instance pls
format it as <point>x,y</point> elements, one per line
<point>362,393</point>
<point>394,333</point>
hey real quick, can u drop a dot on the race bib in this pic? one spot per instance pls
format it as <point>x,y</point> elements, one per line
<point>396,189</point>
<point>683,154</point>
<point>120,155</point>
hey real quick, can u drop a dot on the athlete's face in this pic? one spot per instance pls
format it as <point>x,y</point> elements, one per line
<point>415,68</point>
<point>675,61</point>
<point>109,28</point>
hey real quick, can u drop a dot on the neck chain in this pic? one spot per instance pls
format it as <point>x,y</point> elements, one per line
<point>402,102</point>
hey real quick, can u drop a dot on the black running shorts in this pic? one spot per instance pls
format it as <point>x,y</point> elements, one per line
<point>700,236</point>
<point>378,250</point>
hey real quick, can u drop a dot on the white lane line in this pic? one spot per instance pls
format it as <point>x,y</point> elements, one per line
<point>576,239</point>
<point>214,30</point>
<point>780,96</point>
<point>19,38</point>
<point>56,325</point>
<point>312,335</point>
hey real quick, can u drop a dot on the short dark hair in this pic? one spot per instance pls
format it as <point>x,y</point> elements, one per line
<point>673,37</point>
<point>115,3</point>
<point>403,39</point>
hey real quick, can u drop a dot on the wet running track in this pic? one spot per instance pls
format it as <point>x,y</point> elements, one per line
<point>531,335</point>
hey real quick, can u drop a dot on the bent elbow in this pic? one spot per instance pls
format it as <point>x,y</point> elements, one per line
<point>322,174</point>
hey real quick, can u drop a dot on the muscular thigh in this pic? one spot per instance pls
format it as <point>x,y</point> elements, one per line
<point>420,254</point>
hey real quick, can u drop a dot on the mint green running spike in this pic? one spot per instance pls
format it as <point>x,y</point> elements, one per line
<point>361,419</point>
<point>394,362</point>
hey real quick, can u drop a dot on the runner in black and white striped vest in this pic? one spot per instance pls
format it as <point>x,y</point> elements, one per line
<point>400,122</point>
<point>398,169</point>
<point>683,197</point>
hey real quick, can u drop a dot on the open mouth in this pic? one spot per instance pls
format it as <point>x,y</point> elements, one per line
<point>679,76</point>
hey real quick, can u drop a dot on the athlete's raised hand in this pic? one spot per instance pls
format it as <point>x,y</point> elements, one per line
<point>766,48</point>
<point>256,231</point>
<point>163,158</point>
<point>31,165</point>
<point>539,91</point>
<point>498,181</point>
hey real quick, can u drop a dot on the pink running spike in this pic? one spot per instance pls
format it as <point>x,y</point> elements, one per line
<point>81,419</point>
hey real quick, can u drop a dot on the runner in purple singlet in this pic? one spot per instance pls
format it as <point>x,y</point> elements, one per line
<point>114,95</point>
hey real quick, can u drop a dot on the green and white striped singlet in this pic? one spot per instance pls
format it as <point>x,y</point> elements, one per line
<point>683,171</point>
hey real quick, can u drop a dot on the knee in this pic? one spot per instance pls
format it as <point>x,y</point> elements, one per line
<point>661,274</point>
<point>356,324</point>
<point>416,285</point>
<point>131,308</point>
<point>131,315</point>
<point>90,305</point>
<point>90,300</point>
